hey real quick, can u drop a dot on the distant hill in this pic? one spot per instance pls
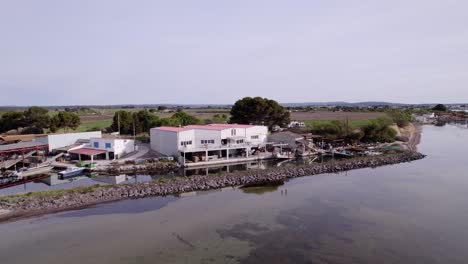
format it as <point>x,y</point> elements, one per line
<point>338,103</point>
<point>358,104</point>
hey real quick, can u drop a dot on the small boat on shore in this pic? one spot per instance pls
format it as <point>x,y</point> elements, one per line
<point>371,153</point>
<point>33,171</point>
<point>71,171</point>
<point>340,153</point>
<point>283,155</point>
<point>344,153</point>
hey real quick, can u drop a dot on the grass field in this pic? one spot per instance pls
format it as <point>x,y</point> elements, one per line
<point>355,119</point>
<point>352,123</point>
<point>85,126</point>
<point>327,115</point>
<point>101,118</point>
<point>88,126</point>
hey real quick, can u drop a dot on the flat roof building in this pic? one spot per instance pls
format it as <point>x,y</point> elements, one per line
<point>206,143</point>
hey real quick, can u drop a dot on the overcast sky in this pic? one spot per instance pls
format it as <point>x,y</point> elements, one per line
<point>116,52</point>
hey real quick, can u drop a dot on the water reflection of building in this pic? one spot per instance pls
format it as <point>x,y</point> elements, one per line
<point>114,179</point>
<point>54,179</point>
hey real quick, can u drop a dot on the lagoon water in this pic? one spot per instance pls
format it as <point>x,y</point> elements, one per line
<point>408,213</point>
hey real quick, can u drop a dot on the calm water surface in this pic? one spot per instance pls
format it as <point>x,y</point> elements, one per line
<point>407,213</point>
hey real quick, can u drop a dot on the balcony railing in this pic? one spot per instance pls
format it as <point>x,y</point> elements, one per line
<point>218,146</point>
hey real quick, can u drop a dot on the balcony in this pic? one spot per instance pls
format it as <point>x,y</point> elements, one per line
<point>213,147</point>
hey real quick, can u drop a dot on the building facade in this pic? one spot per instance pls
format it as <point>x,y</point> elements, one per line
<point>115,147</point>
<point>204,143</point>
<point>56,141</point>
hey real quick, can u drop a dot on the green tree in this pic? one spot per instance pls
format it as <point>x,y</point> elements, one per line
<point>379,130</point>
<point>331,130</point>
<point>11,120</point>
<point>338,130</point>
<point>144,121</point>
<point>162,108</point>
<point>440,108</point>
<point>220,118</point>
<point>172,122</point>
<point>65,120</point>
<point>259,111</point>
<point>185,119</point>
<point>36,119</point>
<point>125,119</point>
<point>401,118</point>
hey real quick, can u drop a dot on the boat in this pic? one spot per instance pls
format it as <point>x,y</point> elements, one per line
<point>371,153</point>
<point>71,171</point>
<point>343,153</point>
<point>33,171</point>
<point>283,155</point>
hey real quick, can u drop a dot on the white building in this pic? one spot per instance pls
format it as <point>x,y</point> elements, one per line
<point>296,124</point>
<point>108,148</point>
<point>115,147</point>
<point>209,143</point>
<point>56,141</point>
<point>424,118</point>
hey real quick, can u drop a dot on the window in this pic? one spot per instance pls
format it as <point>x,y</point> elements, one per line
<point>207,141</point>
<point>254,137</point>
<point>240,141</point>
<point>108,145</point>
<point>233,132</point>
<point>96,144</point>
<point>185,143</point>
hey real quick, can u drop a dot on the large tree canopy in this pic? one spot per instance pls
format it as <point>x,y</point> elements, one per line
<point>259,111</point>
<point>66,120</point>
<point>33,120</point>
<point>186,119</point>
<point>440,108</point>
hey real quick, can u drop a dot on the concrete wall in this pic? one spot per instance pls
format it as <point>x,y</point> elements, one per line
<point>239,132</point>
<point>202,134</point>
<point>62,140</point>
<point>119,146</point>
<point>164,142</point>
<point>260,131</point>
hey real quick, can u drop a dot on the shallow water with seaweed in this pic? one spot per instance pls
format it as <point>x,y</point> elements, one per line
<point>407,213</point>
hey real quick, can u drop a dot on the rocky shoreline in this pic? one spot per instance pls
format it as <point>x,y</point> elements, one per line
<point>18,206</point>
<point>149,167</point>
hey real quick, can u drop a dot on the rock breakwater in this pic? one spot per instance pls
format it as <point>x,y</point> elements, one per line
<point>40,203</point>
<point>148,167</point>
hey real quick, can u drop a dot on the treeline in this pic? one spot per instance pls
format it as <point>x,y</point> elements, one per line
<point>376,130</point>
<point>143,120</point>
<point>35,120</point>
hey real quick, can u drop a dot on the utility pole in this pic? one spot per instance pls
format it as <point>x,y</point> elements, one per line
<point>118,121</point>
<point>347,126</point>
<point>134,135</point>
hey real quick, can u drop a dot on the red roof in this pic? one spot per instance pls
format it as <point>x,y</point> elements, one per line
<point>207,127</point>
<point>173,129</point>
<point>87,151</point>
<point>232,125</point>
